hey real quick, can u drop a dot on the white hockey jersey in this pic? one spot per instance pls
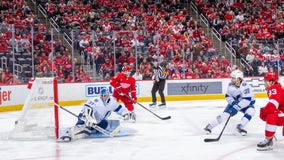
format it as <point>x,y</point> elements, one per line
<point>243,95</point>
<point>103,109</point>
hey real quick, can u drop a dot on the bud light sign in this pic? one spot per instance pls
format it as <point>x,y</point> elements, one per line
<point>94,90</point>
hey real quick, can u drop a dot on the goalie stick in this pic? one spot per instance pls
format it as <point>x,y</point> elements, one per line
<point>218,138</point>
<point>96,127</point>
<point>162,118</point>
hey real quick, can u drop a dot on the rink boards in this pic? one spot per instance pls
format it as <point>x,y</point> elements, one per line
<point>175,90</point>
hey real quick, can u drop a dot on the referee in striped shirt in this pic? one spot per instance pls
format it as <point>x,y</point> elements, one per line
<point>159,78</point>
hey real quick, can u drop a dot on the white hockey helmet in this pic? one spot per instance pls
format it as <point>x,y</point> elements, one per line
<point>237,74</point>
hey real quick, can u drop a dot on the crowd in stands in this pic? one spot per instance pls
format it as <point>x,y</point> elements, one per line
<point>154,30</point>
<point>163,31</point>
<point>17,16</point>
<point>254,28</point>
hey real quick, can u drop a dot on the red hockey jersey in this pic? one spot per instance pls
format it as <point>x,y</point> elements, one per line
<point>276,99</point>
<point>124,84</point>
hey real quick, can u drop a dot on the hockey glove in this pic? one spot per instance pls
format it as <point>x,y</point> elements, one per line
<point>89,117</point>
<point>234,110</point>
<point>233,103</point>
<point>262,114</point>
<point>134,100</point>
<point>131,116</point>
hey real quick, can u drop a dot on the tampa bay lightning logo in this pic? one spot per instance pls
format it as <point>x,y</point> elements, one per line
<point>96,100</point>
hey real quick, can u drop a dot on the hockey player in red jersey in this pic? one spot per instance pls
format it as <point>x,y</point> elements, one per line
<point>273,112</point>
<point>125,90</point>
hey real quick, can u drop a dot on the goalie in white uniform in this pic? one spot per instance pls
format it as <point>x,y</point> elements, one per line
<point>240,97</point>
<point>95,112</point>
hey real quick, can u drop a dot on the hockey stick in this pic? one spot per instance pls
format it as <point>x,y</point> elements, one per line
<point>96,127</point>
<point>162,118</point>
<point>218,138</point>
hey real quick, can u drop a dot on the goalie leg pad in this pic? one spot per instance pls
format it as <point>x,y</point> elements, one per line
<point>112,125</point>
<point>80,132</point>
<point>103,124</point>
<point>73,133</point>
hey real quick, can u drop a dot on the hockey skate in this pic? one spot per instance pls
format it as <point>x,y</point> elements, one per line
<point>153,105</point>
<point>241,130</point>
<point>265,145</point>
<point>162,105</point>
<point>208,129</point>
<point>66,137</point>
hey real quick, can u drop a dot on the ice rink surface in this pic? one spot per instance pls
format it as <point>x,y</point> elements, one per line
<point>180,138</point>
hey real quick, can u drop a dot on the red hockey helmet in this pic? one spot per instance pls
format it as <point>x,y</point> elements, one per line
<point>271,76</point>
<point>126,68</point>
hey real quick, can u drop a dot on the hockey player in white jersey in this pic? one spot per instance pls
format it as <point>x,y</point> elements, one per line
<point>95,112</point>
<point>240,98</point>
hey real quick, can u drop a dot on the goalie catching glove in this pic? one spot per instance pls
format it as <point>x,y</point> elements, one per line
<point>89,117</point>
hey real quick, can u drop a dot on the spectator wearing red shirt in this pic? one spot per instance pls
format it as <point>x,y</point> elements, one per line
<point>59,59</point>
<point>217,73</point>
<point>80,75</point>
<point>45,68</point>
<point>189,74</point>
<point>122,59</point>
<point>204,69</point>
<point>224,61</point>
<point>4,47</point>
<point>60,74</point>
<point>107,67</point>
<point>197,74</point>
<point>67,67</point>
<point>176,74</point>
<point>131,58</point>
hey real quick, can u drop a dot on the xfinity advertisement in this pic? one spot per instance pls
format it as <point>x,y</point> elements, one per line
<point>194,88</point>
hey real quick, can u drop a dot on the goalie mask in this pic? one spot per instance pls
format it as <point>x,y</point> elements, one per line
<point>104,94</point>
<point>237,77</point>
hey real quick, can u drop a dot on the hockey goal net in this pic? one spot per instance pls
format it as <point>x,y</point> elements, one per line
<point>39,116</point>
